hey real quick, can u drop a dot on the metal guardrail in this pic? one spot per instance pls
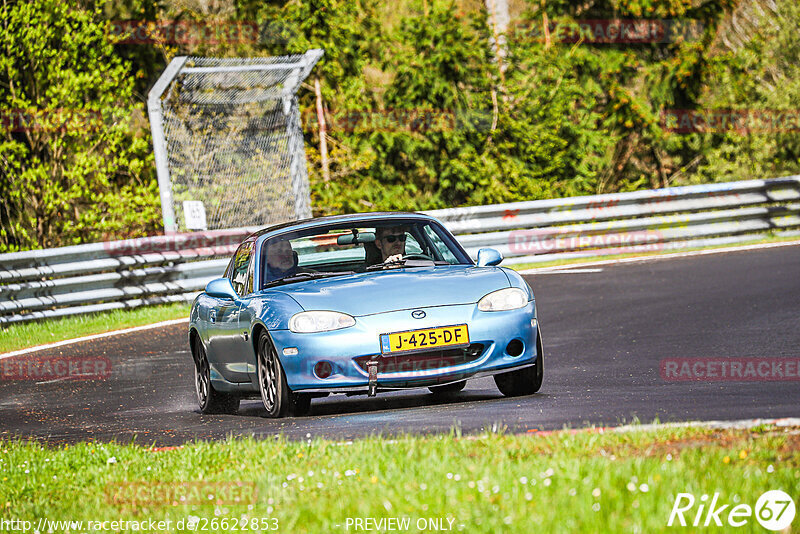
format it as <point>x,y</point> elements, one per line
<point>641,221</point>
<point>41,284</point>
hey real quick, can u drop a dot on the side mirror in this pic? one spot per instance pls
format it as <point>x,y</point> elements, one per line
<point>221,288</point>
<point>488,257</point>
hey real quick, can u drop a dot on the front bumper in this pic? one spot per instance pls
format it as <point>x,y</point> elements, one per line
<point>346,350</point>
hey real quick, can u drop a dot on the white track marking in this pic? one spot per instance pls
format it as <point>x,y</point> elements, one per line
<point>543,270</point>
<point>54,380</point>
<point>742,424</point>
<point>92,337</point>
<point>569,271</point>
<point>736,424</point>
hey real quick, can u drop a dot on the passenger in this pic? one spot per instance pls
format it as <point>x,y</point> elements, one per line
<point>281,259</point>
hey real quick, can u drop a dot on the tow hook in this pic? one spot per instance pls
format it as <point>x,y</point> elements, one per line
<point>372,368</point>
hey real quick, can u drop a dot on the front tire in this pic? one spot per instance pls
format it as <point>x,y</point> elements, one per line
<point>525,381</point>
<point>276,396</point>
<point>271,380</point>
<point>209,399</point>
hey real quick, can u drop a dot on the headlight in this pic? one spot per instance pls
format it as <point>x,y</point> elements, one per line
<point>319,321</point>
<point>510,298</point>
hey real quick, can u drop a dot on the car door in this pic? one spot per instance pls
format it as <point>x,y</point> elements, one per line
<point>227,342</point>
<point>243,345</point>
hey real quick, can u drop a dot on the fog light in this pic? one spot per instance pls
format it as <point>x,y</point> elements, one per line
<point>323,369</point>
<point>534,322</point>
<point>515,347</point>
<point>290,351</point>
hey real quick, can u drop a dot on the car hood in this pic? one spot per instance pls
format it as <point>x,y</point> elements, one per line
<point>397,289</point>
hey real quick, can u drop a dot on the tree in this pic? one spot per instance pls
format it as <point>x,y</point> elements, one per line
<point>349,33</point>
<point>76,163</point>
<point>758,72</point>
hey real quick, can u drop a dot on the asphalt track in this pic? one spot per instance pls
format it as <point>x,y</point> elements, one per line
<point>605,335</point>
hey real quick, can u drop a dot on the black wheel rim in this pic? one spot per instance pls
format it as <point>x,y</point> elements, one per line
<point>267,376</point>
<point>202,377</point>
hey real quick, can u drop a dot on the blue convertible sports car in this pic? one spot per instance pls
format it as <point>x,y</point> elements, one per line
<point>360,304</point>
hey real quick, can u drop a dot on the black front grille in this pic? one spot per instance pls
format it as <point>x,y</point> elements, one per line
<point>424,361</point>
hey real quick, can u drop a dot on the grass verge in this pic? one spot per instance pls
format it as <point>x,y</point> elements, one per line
<point>20,336</point>
<point>555,482</point>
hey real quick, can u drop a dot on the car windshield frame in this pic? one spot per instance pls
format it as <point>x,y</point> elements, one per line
<point>293,233</point>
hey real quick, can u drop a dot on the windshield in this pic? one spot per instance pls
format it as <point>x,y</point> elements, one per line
<point>356,247</point>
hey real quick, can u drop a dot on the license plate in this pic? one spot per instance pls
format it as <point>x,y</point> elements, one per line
<point>425,338</point>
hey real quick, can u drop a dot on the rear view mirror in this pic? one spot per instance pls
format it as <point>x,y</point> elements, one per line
<point>488,257</point>
<point>350,239</point>
<point>221,288</point>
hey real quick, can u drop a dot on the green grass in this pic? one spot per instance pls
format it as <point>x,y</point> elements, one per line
<point>589,259</point>
<point>557,482</point>
<point>19,336</point>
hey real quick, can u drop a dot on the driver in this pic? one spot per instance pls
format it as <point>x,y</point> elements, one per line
<point>391,242</point>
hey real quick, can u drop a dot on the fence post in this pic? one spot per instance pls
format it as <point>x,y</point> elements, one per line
<point>160,144</point>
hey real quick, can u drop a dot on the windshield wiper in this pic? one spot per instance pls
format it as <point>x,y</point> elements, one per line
<point>379,266</point>
<point>405,263</point>
<point>299,277</point>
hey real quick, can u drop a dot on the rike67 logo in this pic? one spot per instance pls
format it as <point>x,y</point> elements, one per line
<point>774,510</point>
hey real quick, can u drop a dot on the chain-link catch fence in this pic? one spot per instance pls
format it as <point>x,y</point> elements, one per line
<point>228,141</point>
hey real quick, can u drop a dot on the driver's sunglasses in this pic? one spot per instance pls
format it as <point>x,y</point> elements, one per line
<point>391,238</point>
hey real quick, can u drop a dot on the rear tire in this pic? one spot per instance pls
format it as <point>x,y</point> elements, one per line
<point>448,389</point>
<point>525,381</point>
<point>209,399</point>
